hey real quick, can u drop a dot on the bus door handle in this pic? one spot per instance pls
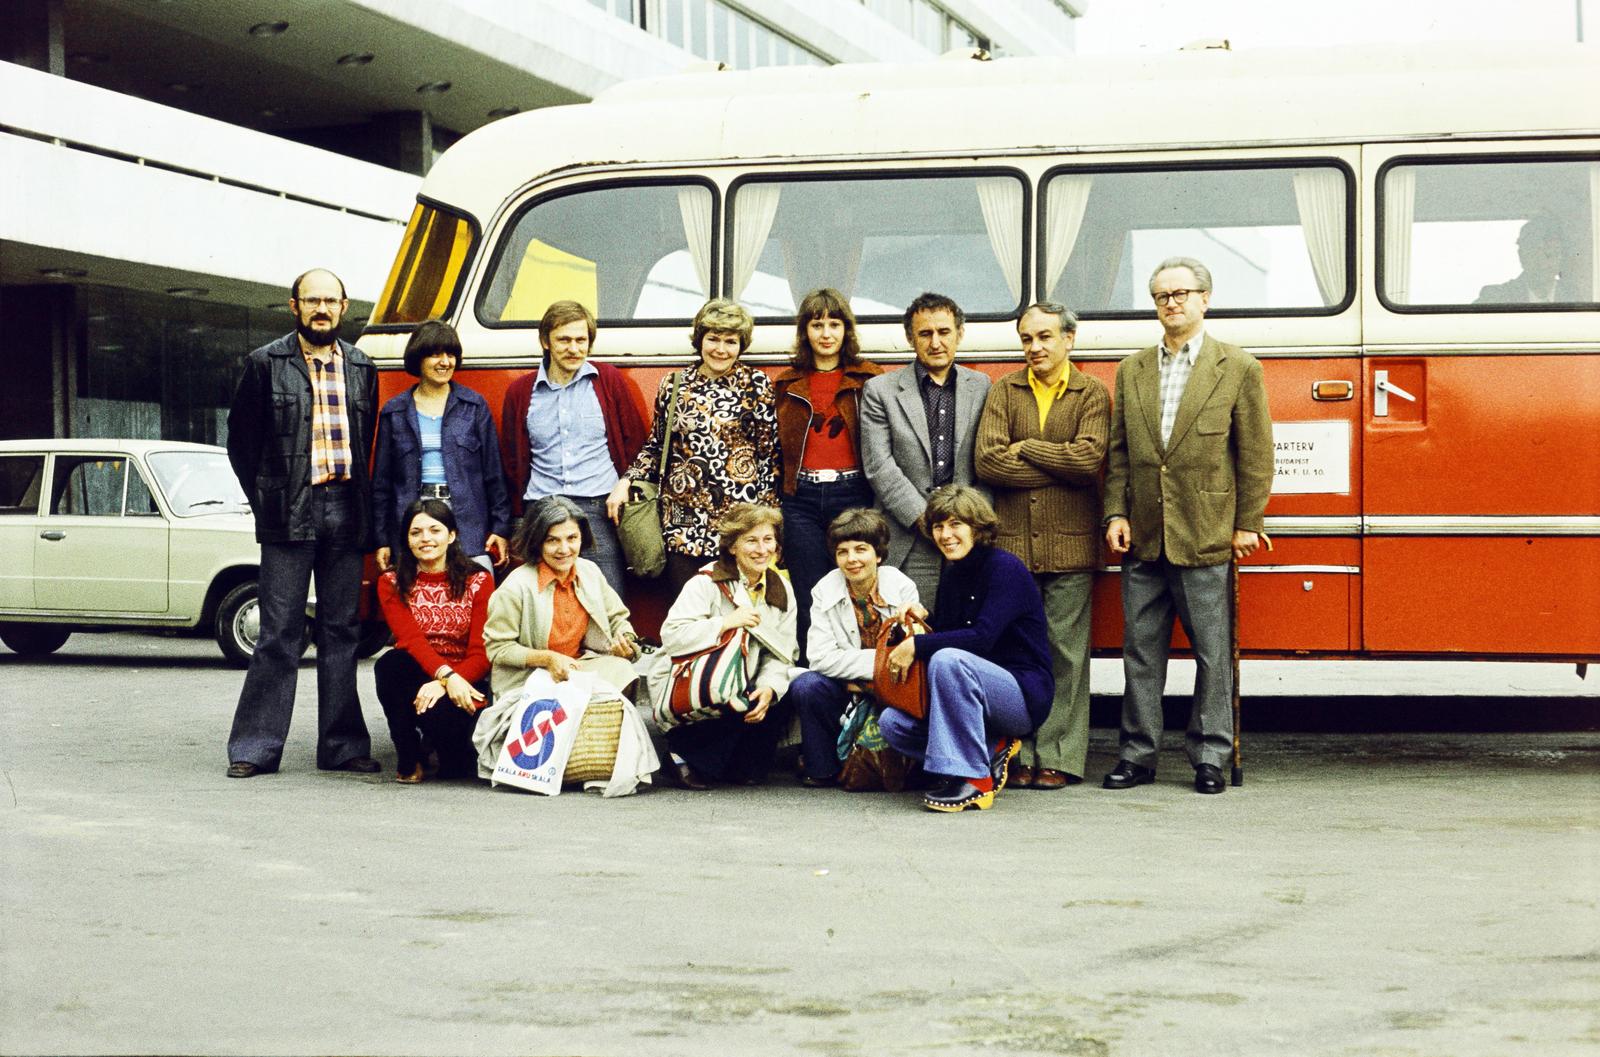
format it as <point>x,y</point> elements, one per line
<point>1381,388</point>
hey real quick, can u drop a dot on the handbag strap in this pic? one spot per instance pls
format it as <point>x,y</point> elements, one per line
<point>666,438</point>
<point>723,638</point>
<point>909,624</point>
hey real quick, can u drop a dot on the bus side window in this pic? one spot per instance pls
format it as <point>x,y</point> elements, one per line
<point>1500,232</point>
<point>1275,238</point>
<point>880,239</point>
<point>630,252</point>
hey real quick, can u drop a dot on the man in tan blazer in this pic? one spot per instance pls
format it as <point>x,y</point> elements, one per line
<point>1187,480</point>
<point>1041,442</point>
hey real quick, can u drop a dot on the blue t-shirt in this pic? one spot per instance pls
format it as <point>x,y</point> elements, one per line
<point>430,428</point>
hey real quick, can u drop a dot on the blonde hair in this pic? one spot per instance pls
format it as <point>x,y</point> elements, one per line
<point>722,315</point>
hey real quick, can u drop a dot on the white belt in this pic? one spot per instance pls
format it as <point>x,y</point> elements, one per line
<point>827,476</point>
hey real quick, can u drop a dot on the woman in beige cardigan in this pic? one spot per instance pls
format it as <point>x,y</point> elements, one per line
<point>557,611</point>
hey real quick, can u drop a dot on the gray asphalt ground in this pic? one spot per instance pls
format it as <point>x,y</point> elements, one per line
<point>1360,894</point>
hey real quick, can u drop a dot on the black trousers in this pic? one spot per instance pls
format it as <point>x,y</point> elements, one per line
<point>448,727</point>
<point>729,749</point>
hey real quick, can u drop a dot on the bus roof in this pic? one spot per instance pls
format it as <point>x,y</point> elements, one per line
<point>952,106</point>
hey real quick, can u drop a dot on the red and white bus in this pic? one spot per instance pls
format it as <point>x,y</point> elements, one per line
<point>1438,424</point>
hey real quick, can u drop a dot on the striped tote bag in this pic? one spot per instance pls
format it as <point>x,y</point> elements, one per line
<point>710,683</point>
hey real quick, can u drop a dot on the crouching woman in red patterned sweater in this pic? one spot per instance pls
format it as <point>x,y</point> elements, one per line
<point>435,600</point>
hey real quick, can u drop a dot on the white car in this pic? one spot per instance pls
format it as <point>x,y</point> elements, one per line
<point>102,534</point>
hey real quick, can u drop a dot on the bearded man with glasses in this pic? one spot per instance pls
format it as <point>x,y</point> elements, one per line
<point>1188,474</point>
<point>299,436</point>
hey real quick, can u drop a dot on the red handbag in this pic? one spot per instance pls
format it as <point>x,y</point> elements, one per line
<point>909,694</point>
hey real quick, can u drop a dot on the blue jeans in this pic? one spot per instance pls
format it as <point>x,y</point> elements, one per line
<point>819,701</point>
<point>266,703</point>
<point>806,515</point>
<point>971,701</point>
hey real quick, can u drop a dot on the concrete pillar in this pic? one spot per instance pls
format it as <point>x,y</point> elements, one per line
<point>404,140</point>
<point>31,35</point>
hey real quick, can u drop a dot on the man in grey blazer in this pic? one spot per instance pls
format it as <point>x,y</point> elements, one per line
<point>1188,473</point>
<point>917,430</point>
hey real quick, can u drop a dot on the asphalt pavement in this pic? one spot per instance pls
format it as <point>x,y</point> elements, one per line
<point>1362,893</point>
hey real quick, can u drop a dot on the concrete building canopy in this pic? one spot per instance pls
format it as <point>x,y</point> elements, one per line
<point>167,166</point>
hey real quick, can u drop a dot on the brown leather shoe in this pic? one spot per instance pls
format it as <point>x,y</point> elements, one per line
<point>411,777</point>
<point>1022,777</point>
<point>1050,778</point>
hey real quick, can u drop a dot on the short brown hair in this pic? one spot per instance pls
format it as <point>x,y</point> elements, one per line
<point>720,314</point>
<point>559,314</point>
<point>863,525</point>
<point>961,502</point>
<point>741,518</point>
<point>429,339</point>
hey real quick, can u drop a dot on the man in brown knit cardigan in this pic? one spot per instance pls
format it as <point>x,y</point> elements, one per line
<point>1041,441</point>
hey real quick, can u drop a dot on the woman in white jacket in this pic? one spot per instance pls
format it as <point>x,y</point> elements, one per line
<point>847,607</point>
<point>740,589</point>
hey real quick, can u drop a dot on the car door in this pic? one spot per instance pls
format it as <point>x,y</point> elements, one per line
<point>21,483</point>
<point>101,548</point>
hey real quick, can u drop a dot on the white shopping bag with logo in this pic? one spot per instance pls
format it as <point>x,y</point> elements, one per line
<point>543,723</point>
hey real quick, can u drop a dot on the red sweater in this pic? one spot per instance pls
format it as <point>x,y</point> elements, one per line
<point>436,629</point>
<point>621,405</point>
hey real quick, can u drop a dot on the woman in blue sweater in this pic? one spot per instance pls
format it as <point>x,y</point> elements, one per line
<point>990,680</point>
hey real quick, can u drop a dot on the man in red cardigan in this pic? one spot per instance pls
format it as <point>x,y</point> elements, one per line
<point>570,428</point>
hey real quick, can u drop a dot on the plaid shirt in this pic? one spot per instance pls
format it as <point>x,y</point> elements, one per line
<point>1175,369</point>
<point>330,430</point>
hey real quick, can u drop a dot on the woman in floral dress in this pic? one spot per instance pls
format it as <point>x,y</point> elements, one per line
<point>724,444</point>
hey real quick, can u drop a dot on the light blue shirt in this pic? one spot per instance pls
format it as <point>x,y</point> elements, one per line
<point>567,449</point>
<point>429,431</point>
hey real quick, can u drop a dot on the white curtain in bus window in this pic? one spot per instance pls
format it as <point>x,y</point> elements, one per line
<point>1275,238</point>
<point>880,240</point>
<point>640,252</point>
<point>1067,199</point>
<point>1504,232</point>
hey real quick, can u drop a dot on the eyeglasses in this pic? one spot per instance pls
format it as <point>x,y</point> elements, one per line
<point>320,302</point>
<point>1177,297</point>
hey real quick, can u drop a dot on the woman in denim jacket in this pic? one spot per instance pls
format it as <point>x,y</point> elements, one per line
<point>437,440</point>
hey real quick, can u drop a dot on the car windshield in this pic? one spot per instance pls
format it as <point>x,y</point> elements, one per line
<point>197,482</point>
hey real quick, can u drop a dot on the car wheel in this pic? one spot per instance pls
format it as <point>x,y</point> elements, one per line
<point>239,624</point>
<point>374,637</point>
<point>34,640</point>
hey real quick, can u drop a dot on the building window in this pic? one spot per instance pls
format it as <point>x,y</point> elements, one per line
<point>715,31</point>
<point>162,367</point>
<point>879,240</point>
<point>1275,239</point>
